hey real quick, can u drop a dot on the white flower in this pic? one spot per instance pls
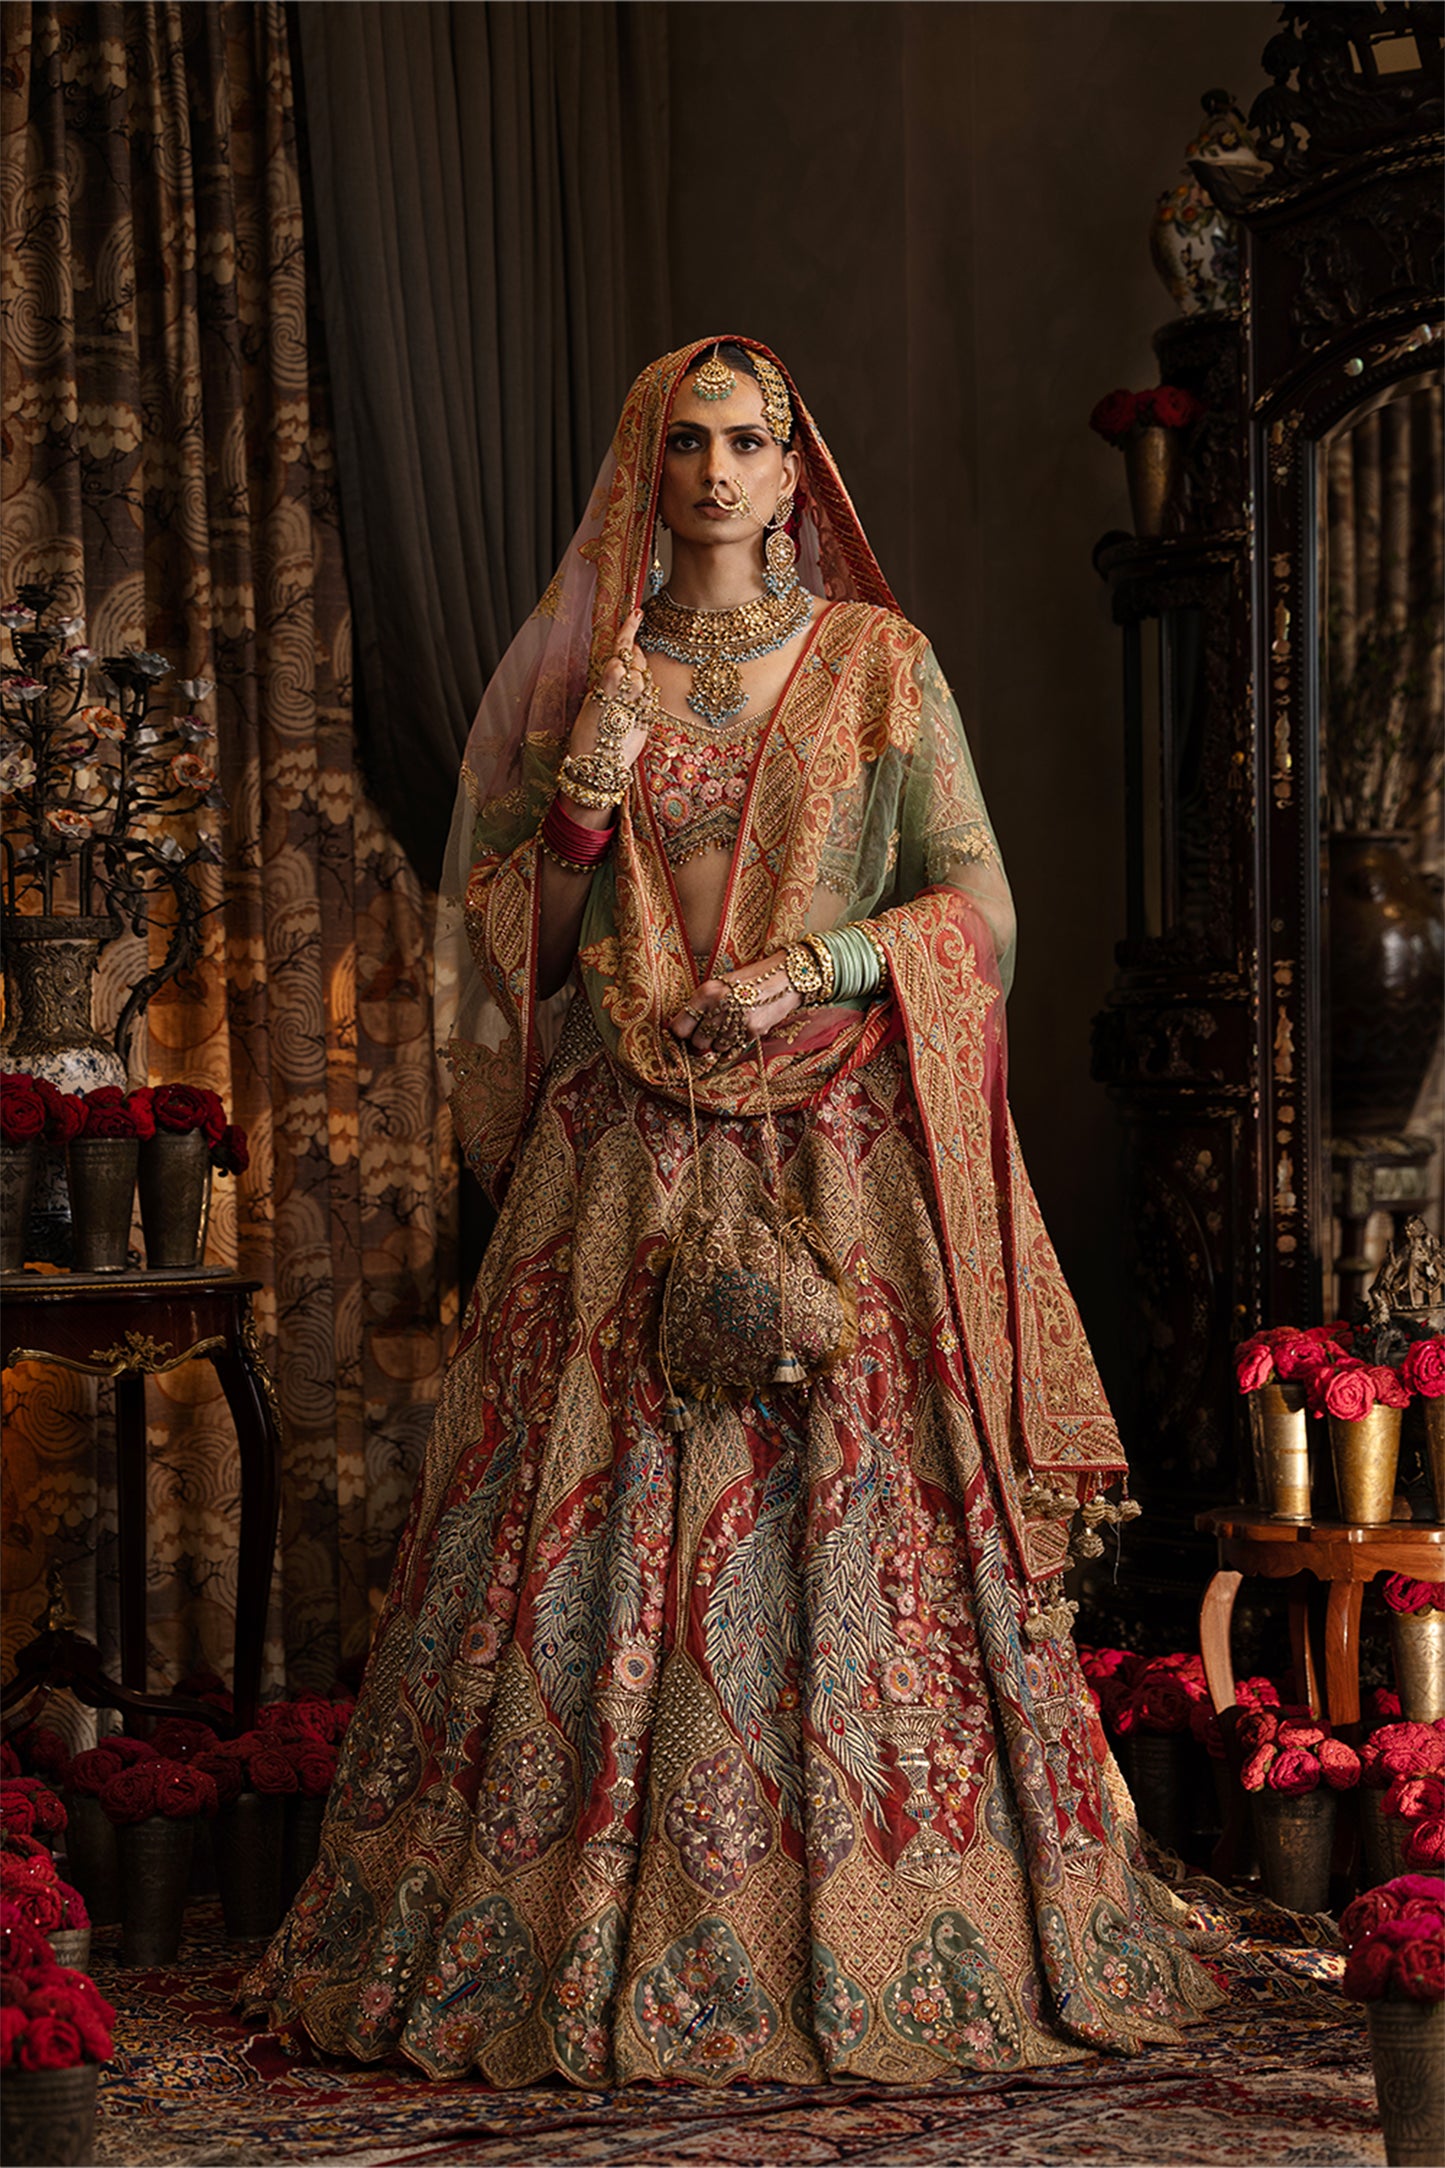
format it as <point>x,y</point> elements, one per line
<point>17,769</point>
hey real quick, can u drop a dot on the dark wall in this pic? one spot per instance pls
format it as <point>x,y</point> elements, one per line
<point>939,215</point>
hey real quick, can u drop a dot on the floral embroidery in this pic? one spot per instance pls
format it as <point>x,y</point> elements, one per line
<point>485,1976</point>
<point>952,1998</point>
<point>701,2007</point>
<point>525,1800</point>
<point>577,2006</point>
<point>717,1822</point>
<point>833,2008</point>
<point>829,1831</point>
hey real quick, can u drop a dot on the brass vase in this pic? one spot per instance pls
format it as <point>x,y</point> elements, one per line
<point>1434,1411</point>
<point>1295,1837</point>
<point>90,1857</point>
<point>18,1166</point>
<point>101,1172</point>
<point>1383,1838</point>
<point>1407,2049</point>
<point>247,1835</point>
<point>47,2117</point>
<point>155,1871</point>
<point>175,1180</point>
<point>1153,457</point>
<point>1417,1642</point>
<point>1280,1429</point>
<point>1365,1454</point>
<point>71,1946</point>
<point>49,973</point>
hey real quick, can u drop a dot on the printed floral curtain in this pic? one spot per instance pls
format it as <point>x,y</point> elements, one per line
<point>168,454</point>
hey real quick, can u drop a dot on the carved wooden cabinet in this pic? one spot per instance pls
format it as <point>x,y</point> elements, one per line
<point>1214,1040</point>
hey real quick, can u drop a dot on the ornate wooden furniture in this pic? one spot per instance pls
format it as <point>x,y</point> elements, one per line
<point>1214,1042</point>
<point>130,1327</point>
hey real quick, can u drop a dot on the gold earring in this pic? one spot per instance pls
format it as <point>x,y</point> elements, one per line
<point>780,554</point>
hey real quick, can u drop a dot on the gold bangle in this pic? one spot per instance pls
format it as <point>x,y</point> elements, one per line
<point>800,968</point>
<point>823,957</point>
<point>875,941</point>
<point>595,780</point>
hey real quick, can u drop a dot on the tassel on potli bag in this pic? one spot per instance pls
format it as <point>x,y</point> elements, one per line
<point>753,1299</point>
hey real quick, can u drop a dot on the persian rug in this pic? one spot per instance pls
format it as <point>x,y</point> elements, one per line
<point>1281,2074</point>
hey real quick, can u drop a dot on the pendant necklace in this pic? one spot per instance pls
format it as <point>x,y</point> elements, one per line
<point>716,641</point>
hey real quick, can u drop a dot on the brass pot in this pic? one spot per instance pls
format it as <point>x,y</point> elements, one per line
<point>175,1178</point>
<point>101,1173</point>
<point>1153,457</point>
<point>1365,1455</point>
<point>18,1164</point>
<point>1417,1642</point>
<point>1295,1837</point>
<point>71,1946</point>
<point>47,2117</point>
<point>155,1871</point>
<point>1407,2048</point>
<point>1280,1429</point>
<point>1383,1838</point>
<point>1435,1453</point>
<point>90,1857</point>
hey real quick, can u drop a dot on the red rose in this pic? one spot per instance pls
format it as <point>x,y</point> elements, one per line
<point>1257,1767</point>
<point>1369,1970</point>
<point>1425,1845</point>
<point>1303,1360</point>
<point>1424,1367</point>
<point>1339,1764</point>
<point>226,1772</point>
<point>12,2025</point>
<point>1294,1771</point>
<point>1391,1391</point>
<point>24,1114</point>
<point>1294,1732</point>
<point>1253,1367</point>
<point>1256,1693</point>
<point>1348,1390</point>
<point>1115,415</point>
<point>1413,1798</point>
<point>1100,1664</point>
<point>232,1154</point>
<point>1363,1914</point>
<point>130,1795</point>
<point>1160,1704</point>
<point>271,1770</point>
<point>45,1750</point>
<point>1169,407</point>
<point>182,1107</point>
<point>49,2043</point>
<point>315,1770</point>
<point>17,1811</point>
<point>182,1790</point>
<point>93,1768</point>
<point>129,1750</point>
<point>1255,1729</point>
<point>1410,1750</point>
<point>1407,1596</point>
<point>178,1738</point>
<point>1420,1966</point>
<point>107,1115</point>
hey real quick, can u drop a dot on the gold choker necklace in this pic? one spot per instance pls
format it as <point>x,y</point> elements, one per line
<point>716,641</point>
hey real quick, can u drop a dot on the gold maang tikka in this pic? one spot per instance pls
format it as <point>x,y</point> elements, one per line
<point>715,380</point>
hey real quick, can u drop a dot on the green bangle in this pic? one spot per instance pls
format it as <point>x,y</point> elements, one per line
<point>857,966</point>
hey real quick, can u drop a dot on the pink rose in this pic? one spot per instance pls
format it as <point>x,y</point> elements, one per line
<point>1254,1367</point>
<point>1305,1359</point>
<point>1424,1367</point>
<point>1391,1391</point>
<point>1295,1732</point>
<point>1256,1769</point>
<point>1339,1764</point>
<point>1414,1798</point>
<point>1294,1772</point>
<point>1425,1845</point>
<point>1255,1729</point>
<point>1348,1391</point>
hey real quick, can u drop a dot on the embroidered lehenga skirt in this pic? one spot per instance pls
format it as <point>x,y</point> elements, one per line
<point>717,1753</point>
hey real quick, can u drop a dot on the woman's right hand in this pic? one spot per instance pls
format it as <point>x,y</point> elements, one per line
<point>621,679</point>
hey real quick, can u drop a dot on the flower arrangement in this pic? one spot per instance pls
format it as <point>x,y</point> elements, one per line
<point>1423,1368</point>
<point>1291,1752</point>
<point>1407,1597</point>
<point>28,1808</point>
<point>51,2018</point>
<point>174,1790</point>
<point>32,1111</point>
<point>1163,406</point>
<point>1395,1936</point>
<point>271,1763</point>
<point>28,1881</point>
<point>108,1113</point>
<point>36,1750</point>
<point>92,1769</point>
<point>1289,1354</point>
<point>110,799</point>
<point>1348,1388</point>
<point>1407,1762</point>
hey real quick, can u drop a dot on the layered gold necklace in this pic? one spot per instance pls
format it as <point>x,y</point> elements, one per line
<point>716,641</point>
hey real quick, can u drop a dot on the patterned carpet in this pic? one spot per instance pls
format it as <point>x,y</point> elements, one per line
<point>1281,2076</point>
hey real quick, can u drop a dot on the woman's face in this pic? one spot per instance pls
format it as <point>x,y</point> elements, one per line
<point>722,473</point>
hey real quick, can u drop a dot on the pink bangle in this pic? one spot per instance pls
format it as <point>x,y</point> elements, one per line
<point>577,848</point>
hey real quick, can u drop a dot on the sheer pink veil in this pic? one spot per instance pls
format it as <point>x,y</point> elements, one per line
<point>542,679</point>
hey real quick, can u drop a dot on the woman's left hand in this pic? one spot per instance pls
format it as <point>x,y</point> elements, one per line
<point>712,1022</point>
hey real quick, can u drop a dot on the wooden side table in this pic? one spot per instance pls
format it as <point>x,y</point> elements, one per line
<point>128,1327</point>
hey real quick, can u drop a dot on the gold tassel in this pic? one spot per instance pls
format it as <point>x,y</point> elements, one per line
<point>789,1370</point>
<point>676,1413</point>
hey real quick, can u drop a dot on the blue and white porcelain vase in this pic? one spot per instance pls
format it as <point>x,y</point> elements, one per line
<point>1195,245</point>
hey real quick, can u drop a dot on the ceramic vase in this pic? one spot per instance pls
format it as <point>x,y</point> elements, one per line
<point>1193,243</point>
<point>247,1837</point>
<point>1365,1455</point>
<point>101,1172</point>
<point>1407,2049</point>
<point>1417,1642</point>
<point>175,1181</point>
<point>49,972</point>
<point>1387,983</point>
<point>47,2117</point>
<point>91,1863</point>
<point>155,1870</point>
<point>1295,1838</point>
<point>1279,1427</point>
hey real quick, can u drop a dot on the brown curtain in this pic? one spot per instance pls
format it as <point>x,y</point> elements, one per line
<point>490,199</point>
<point>170,456</point>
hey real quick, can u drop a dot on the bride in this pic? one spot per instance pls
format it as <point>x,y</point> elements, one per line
<point>723,1717</point>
